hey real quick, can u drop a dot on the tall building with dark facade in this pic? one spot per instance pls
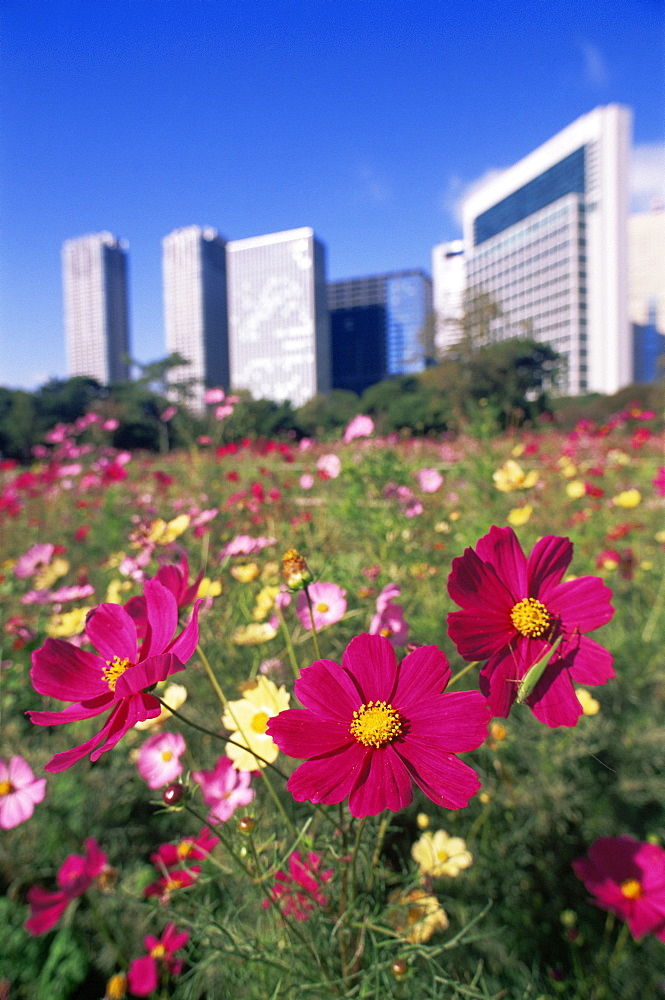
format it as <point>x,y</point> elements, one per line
<point>376,327</point>
<point>94,276</point>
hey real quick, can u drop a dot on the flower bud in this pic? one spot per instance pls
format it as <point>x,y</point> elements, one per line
<point>295,570</point>
<point>399,968</point>
<point>173,794</point>
<point>246,824</point>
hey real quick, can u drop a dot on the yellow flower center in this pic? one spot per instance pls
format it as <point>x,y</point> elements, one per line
<point>184,848</point>
<point>5,787</point>
<point>322,608</point>
<point>530,617</point>
<point>158,951</point>
<point>114,669</point>
<point>632,889</point>
<point>385,632</point>
<point>167,756</point>
<point>376,724</point>
<point>259,722</point>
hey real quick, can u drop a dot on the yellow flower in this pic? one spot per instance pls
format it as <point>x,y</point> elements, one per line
<point>114,590</point>
<point>174,695</point>
<point>66,624</point>
<point>253,634</point>
<point>520,515</point>
<point>416,915</point>
<point>618,456</point>
<point>511,476</point>
<point>517,450</point>
<point>245,573</point>
<point>265,602</point>
<point>660,536</point>
<point>568,470</point>
<point>247,719</point>
<point>116,988</point>
<point>45,579</point>
<point>439,854</point>
<point>270,571</point>
<point>114,560</point>
<point>162,533</point>
<point>589,704</point>
<point>628,499</point>
<point>209,588</point>
<point>575,489</point>
<point>422,821</point>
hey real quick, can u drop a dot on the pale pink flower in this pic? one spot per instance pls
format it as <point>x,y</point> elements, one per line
<point>306,481</point>
<point>159,759</point>
<point>30,561</point>
<point>328,605</point>
<point>429,480</point>
<point>110,425</point>
<point>212,396</point>
<point>223,411</point>
<point>20,792</point>
<point>169,413</point>
<point>224,789</point>
<point>389,619</point>
<point>414,509</point>
<point>245,545</point>
<point>360,426</point>
<point>330,465</point>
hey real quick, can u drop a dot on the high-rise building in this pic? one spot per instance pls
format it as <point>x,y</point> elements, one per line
<point>94,273</point>
<point>448,288</point>
<point>195,315</point>
<point>279,335</point>
<point>547,240</point>
<point>377,327</point>
<point>646,292</point>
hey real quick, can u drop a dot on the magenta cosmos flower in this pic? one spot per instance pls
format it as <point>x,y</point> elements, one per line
<point>627,877</point>
<point>328,605</point>
<point>174,578</point>
<point>159,759</point>
<point>514,609</point>
<point>144,973</point>
<point>298,892</point>
<point>119,678</point>
<point>75,876</point>
<point>20,792</point>
<point>371,727</point>
<point>224,789</point>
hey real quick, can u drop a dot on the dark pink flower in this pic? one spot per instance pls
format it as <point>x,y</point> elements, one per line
<point>174,578</point>
<point>75,876</point>
<point>144,973</point>
<point>224,789</point>
<point>188,849</point>
<point>159,759</point>
<point>627,877</point>
<point>371,727</point>
<point>298,892</point>
<point>659,481</point>
<point>20,792</point>
<point>389,618</point>
<point>119,678</point>
<point>180,878</point>
<point>514,609</point>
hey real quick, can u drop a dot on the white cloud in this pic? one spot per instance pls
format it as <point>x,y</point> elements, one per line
<point>457,191</point>
<point>647,176</point>
<point>595,67</point>
<point>374,187</point>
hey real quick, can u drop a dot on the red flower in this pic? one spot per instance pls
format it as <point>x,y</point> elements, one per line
<point>627,877</point>
<point>371,727</point>
<point>174,578</point>
<point>180,878</point>
<point>143,975</point>
<point>75,876</point>
<point>119,678</point>
<point>298,892</point>
<point>514,609</point>
<point>189,848</point>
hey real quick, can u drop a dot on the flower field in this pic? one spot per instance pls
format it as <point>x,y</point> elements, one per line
<point>367,717</point>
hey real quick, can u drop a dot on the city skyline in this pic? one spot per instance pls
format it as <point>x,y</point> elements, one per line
<point>366,121</point>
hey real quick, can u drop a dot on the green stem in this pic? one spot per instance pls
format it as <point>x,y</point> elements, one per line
<point>289,645</point>
<point>311,618</point>
<point>460,673</point>
<point>105,932</point>
<point>652,620</point>
<point>211,677</point>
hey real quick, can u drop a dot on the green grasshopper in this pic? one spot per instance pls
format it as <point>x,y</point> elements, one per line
<point>535,672</point>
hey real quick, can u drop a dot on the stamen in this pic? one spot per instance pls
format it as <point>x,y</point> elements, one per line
<point>376,724</point>
<point>158,951</point>
<point>632,889</point>
<point>530,617</point>
<point>322,608</point>
<point>5,787</point>
<point>259,722</point>
<point>115,668</point>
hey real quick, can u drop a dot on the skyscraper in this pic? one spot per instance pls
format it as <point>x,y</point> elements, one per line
<point>279,336</point>
<point>547,241</point>
<point>94,272</point>
<point>195,315</point>
<point>377,326</point>
<point>646,297</point>
<point>448,287</point>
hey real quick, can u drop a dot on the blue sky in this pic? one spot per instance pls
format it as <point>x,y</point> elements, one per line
<point>365,119</point>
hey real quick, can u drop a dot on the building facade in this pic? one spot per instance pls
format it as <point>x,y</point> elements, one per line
<point>547,240</point>
<point>378,327</point>
<point>448,288</point>
<point>195,308</point>
<point>94,274</point>
<point>646,292</point>
<point>279,334</point>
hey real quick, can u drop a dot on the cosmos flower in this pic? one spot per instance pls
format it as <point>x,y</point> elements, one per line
<point>20,792</point>
<point>429,480</point>
<point>389,618</point>
<point>360,426</point>
<point>438,854</point>
<point>515,609</point>
<point>371,727</point>
<point>167,884</point>
<point>510,476</point>
<point>627,499</point>
<point>117,680</point>
<point>627,877</point>
<point>75,876</point>
<point>144,973</point>
<point>329,466</point>
<point>174,578</point>
<point>247,719</point>
<point>188,849</point>
<point>299,891</point>
<point>159,759</point>
<point>416,915</point>
<point>328,605</point>
<point>224,789</point>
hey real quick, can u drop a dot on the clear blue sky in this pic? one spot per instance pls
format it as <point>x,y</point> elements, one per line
<point>365,119</point>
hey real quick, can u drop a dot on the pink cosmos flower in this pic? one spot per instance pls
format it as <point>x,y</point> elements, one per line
<point>245,545</point>
<point>514,609</point>
<point>627,877</point>
<point>20,792</point>
<point>159,759</point>
<point>119,677</point>
<point>188,849</point>
<point>659,483</point>
<point>75,876</point>
<point>360,426</point>
<point>181,878</point>
<point>328,605</point>
<point>224,789</point>
<point>389,618</point>
<point>330,466</point>
<point>36,556</point>
<point>371,727</point>
<point>169,413</point>
<point>212,396</point>
<point>174,578</point>
<point>298,893</point>
<point>306,481</point>
<point>223,411</point>
<point>143,975</point>
<point>429,480</point>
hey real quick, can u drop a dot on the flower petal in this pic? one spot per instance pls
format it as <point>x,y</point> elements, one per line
<point>370,660</point>
<point>591,663</point>
<point>162,612</point>
<point>454,722</point>
<point>583,603</point>
<point>330,779</point>
<point>479,633</point>
<point>549,559</point>
<point>473,583</point>
<point>73,713</point>
<point>387,785</point>
<point>61,670</point>
<point>443,778</point>
<point>187,641</point>
<point>146,673</point>
<point>423,674</point>
<point>112,632</point>
<point>326,689</point>
<point>300,733</point>
<point>553,700</point>
<point>501,549</point>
